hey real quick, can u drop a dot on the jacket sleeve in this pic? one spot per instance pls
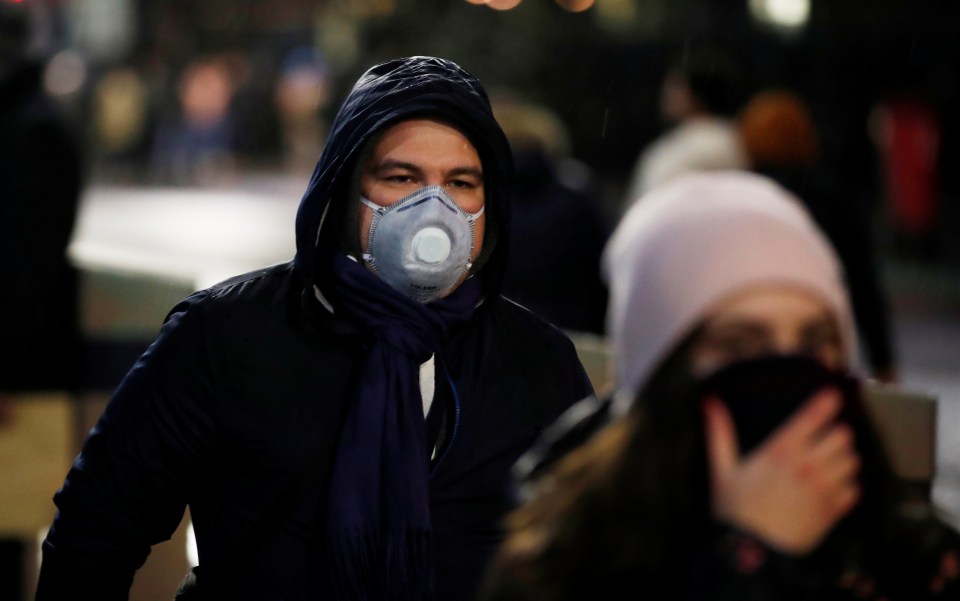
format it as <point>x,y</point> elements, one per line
<point>128,488</point>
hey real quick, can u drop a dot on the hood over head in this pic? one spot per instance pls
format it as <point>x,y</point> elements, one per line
<point>697,240</point>
<point>398,90</point>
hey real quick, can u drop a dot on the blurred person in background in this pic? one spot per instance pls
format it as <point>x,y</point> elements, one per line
<point>781,142</point>
<point>40,184</point>
<point>736,459</point>
<point>698,98</point>
<point>906,130</point>
<point>121,118</point>
<point>300,94</point>
<point>558,229</point>
<point>342,425</point>
<point>195,142</point>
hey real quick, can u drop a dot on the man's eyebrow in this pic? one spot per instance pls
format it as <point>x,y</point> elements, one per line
<point>388,164</point>
<point>470,171</point>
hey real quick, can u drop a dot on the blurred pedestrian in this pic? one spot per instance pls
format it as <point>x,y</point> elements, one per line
<point>906,131</point>
<point>700,94</point>
<point>194,141</point>
<point>782,142</point>
<point>342,425</point>
<point>300,94</point>
<point>558,228</point>
<point>40,185</point>
<point>738,461</point>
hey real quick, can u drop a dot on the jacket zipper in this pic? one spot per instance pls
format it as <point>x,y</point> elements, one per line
<point>456,423</point>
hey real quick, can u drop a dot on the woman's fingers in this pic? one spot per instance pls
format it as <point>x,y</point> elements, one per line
<point>834,442</point>
<point>794,487</point>
<point>830,465</point>
<point>722,448</point>
<point>833,457</point>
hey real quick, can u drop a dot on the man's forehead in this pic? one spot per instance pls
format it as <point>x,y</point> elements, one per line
<point>405,140</point>
<point>421,122</point>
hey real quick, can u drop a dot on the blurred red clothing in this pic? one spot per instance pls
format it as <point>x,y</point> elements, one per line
<point>909,144</point>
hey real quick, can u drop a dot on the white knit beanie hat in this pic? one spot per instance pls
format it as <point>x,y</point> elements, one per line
<point>695,241</point>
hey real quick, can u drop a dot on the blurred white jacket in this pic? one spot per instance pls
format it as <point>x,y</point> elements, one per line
<point>702,143</point>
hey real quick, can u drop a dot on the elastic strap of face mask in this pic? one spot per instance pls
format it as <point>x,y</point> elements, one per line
<point>475,216</point>
<point>373,206</point>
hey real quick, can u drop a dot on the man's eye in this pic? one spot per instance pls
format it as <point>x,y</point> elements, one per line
<point>462,184</point>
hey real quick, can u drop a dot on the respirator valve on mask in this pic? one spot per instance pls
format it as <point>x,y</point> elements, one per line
<point>431,245</point>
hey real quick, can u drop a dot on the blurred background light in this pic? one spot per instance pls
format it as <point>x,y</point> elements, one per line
<point>65,73</point>
<point>181,234</point>
<point>103,29</point>
<point>503,4</point>
<point>337,35</point>
<point>119,109</point>
<point>784,14</point>
<point>576,6</point>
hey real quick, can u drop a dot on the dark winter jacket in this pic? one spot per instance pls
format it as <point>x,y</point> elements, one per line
<point>251,377</point>
<point>40,183</point>
<point>556,239</point>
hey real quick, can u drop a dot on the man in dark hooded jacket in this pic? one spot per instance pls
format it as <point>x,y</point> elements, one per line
<point>369,398</point>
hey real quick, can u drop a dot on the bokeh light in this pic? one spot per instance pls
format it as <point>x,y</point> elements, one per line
<point>119,109</point>
<point>503,4</point>
<point>785,14</point>
<point>576,6</point>
<point>65,73</point>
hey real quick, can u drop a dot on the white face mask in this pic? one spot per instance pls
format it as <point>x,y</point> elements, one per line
<point>421,244</point>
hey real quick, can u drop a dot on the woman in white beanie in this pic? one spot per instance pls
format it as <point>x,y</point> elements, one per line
<point>735,459</point>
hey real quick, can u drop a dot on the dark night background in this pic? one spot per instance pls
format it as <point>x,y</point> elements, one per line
<point>599,70</point>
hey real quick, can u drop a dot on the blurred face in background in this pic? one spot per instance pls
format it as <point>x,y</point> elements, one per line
<point>206,90</point>
<point>676,99</point>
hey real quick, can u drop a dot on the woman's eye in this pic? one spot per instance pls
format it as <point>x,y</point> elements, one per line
<point>739,347</point>
<point>826,348</point>
<point>716,349</point>
<point>743,349</point>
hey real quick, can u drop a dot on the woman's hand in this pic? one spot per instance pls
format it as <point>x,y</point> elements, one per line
<point>791,490</point>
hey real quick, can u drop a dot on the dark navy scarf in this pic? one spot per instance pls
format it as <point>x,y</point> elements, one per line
<point>378,518</point>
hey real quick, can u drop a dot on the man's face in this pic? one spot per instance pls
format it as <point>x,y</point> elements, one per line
<point>417,153</point>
